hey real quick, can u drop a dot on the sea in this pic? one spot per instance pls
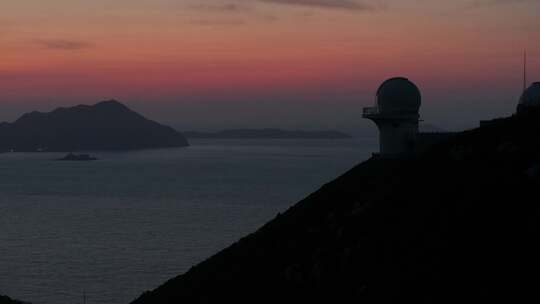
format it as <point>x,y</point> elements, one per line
<point>106,231</point>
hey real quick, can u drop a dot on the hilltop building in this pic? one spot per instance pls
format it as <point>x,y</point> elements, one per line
<point>529,101</point>
<point>530,98</point>
<point>397,115</point>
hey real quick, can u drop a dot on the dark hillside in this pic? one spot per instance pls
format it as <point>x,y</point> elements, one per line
<point>7,300</point>
<point>458,224</point>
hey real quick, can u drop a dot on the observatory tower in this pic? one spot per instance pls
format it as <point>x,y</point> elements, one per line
<point>396,114</point>
<point>530,98</point>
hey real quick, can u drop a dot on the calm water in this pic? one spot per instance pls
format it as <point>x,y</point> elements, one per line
<point>127,223</point>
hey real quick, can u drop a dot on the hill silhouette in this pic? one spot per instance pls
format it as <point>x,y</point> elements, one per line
<point>108,125</point>
<point>457,224</point>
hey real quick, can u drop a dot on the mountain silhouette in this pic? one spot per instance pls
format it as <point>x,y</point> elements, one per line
<point>457,224</point>
<point>108,125</point>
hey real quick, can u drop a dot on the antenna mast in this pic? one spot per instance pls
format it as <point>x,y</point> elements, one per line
<point>524,70</point>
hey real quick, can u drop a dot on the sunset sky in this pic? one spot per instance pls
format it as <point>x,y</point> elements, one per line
<point>309,64</point>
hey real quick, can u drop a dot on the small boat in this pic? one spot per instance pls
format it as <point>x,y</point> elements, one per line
<point>77,157</point>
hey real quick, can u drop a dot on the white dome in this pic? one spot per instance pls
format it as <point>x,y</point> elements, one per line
<point>399,95</point>
<point>531,97</point>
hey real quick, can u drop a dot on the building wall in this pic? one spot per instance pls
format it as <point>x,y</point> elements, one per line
<point>397,138</point>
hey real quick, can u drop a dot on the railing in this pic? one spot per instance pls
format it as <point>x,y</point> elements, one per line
<point>376,112</point>
<point>371,111</point>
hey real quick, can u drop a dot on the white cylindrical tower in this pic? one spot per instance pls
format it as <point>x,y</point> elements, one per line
<point>396,114</point>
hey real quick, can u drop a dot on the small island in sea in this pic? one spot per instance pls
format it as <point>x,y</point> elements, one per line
<point>268,134</point>
<point>107,125</point>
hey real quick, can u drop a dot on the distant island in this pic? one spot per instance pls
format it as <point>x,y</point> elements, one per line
<point>107,125</point>
<point>268,134</point>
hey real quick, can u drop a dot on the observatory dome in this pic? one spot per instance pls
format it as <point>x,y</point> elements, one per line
<point>398,95</point>
<point>531,97</point>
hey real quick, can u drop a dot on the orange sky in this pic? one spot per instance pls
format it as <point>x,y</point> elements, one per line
<point>169,58</point>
